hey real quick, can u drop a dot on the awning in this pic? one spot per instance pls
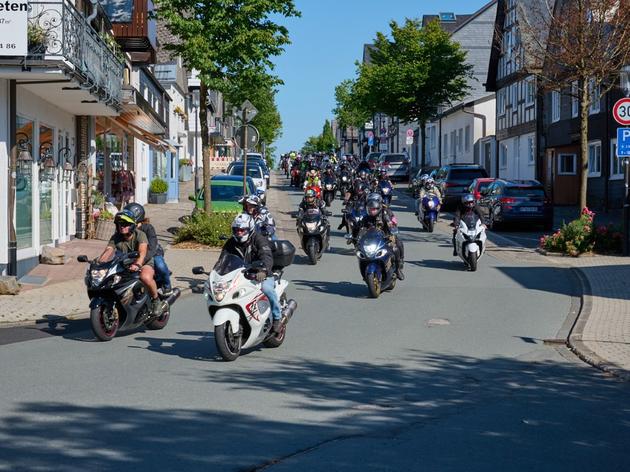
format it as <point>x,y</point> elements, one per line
<point>143,135</point>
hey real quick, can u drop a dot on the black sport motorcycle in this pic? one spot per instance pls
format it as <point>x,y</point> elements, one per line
<point>345,183</point>
<point>329,187</point>
<point>119,301</point>
<point>314,231</point>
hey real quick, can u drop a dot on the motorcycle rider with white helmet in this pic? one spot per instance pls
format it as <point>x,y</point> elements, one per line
<point>466,207</point>
<point>429,188</point>
<point>253,206</point>
<point>251,246</point>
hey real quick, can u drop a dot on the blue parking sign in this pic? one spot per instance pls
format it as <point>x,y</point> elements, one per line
<point>623,142</point>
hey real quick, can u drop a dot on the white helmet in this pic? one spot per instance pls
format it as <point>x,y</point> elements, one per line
<point>424,178</point>
<point>243,227</point>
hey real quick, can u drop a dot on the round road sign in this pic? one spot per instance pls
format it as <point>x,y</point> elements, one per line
<point>410,133</point>
<point>621,111</point>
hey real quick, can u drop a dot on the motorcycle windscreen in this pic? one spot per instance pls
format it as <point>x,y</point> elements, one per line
<point>312,215</point>
<point>228,263</point>
<point>470,220</point>
<point>372,239</point>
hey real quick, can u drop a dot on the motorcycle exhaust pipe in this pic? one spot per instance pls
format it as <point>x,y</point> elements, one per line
<point>173,298</point>
<point>290,309</point>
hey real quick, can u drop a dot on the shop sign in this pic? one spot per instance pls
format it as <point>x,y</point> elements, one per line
<point>13,28</point>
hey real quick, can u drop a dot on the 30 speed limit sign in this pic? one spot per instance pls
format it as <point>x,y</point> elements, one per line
<point>621,111</point>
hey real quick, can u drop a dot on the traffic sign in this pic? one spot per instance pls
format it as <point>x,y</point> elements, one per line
<point>409,140</point>
<point>250,110</point>
<point>370,136</point>
<point>623,142</point>
<point>621,111</point>
<point>252,136</point>
<point>409,133</point>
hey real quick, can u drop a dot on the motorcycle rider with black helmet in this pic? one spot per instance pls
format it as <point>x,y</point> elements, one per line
<point>251,246</point>
<point>466,206</point>
<point>355,196</point>
<point>381,217</point>
<point>128,238</point>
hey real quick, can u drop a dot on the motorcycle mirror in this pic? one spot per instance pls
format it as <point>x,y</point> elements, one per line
<point>82,259</point>
<point>329,213</point>
<point>199,270</point>
<point>223,238</point>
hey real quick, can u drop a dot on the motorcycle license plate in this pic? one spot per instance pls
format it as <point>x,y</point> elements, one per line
<point>529,209</point>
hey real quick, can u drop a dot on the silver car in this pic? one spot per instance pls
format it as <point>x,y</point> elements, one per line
<point>397,166</point>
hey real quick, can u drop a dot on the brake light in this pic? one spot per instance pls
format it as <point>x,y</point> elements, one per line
<point>507,200</point>
<point>450,184</point>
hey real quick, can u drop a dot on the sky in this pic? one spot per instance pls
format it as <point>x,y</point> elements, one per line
<point>326,42</point>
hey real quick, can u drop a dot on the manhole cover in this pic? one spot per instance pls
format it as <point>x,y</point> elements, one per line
<point>438,322</point>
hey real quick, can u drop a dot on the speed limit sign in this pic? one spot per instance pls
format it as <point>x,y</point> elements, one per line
<point>621,111</point>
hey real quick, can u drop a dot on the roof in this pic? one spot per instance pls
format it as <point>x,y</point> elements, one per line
<point>448,26</point>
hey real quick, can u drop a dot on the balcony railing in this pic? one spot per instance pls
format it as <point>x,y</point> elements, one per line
<point>59,32</point>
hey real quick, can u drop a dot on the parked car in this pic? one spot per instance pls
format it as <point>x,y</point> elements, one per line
<point>397,166</point>
<point>225,191</point>
<point>516,201</point>
<point>259,158</point>
<point>454,180</point>
<point>254,171</point>
<point>373,159</point>
<point>478,186</point>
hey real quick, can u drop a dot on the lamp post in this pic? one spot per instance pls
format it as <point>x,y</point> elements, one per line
<point>194,104</point>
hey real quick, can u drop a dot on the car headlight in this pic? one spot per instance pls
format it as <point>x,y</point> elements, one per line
<point>98,275</point>
<point>311,225</point>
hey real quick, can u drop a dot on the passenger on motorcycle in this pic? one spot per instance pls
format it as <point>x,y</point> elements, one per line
<point>265,224</point>
<point>312,179</point>
<point>155,251</point>
<point>128,238</point>
<point>251,246</point>
<point>466,207</point>
<point>429,188</point>
<point>383,218</point>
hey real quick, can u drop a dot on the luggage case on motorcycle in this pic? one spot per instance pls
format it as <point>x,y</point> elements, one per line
<point>283,253</point>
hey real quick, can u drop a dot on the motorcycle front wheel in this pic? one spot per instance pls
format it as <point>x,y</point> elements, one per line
<point>430,224</point>
<point>472,261</point>
<point>374,285</point>
<point>105,322</point>
<point>312,251</point>
<point>228,343</point>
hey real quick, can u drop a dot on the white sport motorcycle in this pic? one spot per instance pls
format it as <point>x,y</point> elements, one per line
<point>470,240</point>
<point>240,311</point>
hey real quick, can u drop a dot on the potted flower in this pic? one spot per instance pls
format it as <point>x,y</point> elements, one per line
<point>157,191</point>
<point>185,170</point>
<point>37,38</point>
<point>104,224</point>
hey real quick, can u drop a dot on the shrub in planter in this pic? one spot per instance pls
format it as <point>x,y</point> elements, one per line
<point>573,238</point>
<point>157,191</point>
<point>206,229</point>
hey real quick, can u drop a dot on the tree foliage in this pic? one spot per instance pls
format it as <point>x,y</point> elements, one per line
<point>226,41</point>
<point>576,41</point>
<point>348,109</point>
<point>412,73</point>
<point>323,142</point>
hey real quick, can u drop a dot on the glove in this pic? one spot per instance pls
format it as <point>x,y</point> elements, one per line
<point>260,276</point>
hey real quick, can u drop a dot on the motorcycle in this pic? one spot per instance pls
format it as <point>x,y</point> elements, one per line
<point>376,262</point>
<point>470,240</point>
<point>119,301</point>
<point>240,311</point>
<point>354,214</point>
<point>330,188</point>
<point>429,214</point>
<point>295,177</point>
<point>345,182</point>
<point>386,190</point>
<point>314,232</point>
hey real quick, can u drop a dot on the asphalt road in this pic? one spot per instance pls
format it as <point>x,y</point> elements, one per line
<point>447,372</point>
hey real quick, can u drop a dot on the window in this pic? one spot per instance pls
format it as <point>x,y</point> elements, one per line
<point>595,159</point>
<point>432,137</point>
<point>453,144</point>
<point>555,106</point>
<point>460,140</point>
<point>531,150</point>
<point>501,102</point>
<point>467,138</point>
<point>446,145</point>
<point>566,164</point>
<point>575,99</point>
<point>503,150</point>
<point>595,93</point>
<point>616,164</point>
<point>530,91</point>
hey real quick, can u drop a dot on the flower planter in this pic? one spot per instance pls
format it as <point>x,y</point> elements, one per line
<point>185,173</point>
<point>158,198</point>
<point>104,229</point>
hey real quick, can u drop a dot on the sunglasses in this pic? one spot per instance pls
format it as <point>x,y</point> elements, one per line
<point>124,224</point>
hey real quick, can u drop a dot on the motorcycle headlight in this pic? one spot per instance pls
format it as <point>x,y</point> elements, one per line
<point>219,290</point>
<point>386,190</point>
<point>311,226</point>
<point>344,178</point>
<point>328,187</point>
<point>370,250</point>
<point>431,204</point>
<point>98,275</point>
<point>382,253</point>
<point>360,255</point>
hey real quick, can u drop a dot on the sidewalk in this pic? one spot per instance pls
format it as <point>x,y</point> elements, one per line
<point>600,334</point>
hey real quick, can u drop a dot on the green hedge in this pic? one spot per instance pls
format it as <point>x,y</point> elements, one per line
<point>206,229</point>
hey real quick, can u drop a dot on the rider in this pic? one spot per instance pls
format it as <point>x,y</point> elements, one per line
<point>253,206</point>
<point>312,179</point>
<point>383,218</point>
<point>128,238</point>
<point>355,195</point>
<point>429,188</point>
<point>310,202</point>
<point>251,246</point>
<point>156,252</point>
<point>466,207</point>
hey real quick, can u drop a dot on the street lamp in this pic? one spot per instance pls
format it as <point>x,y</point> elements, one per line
<point>194,104</point>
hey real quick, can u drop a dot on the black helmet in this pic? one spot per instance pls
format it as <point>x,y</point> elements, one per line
<point>374,205</point>
<point>125,219</point>
<point>363,174</point>
<point>137,210</point>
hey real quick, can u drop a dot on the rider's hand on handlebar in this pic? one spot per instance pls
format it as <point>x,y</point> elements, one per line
<point>134,267</point>
<point>260,276</point>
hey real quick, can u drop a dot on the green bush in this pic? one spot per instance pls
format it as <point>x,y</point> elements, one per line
<point>206,229</point>
<point>158,185</point>
<point>106,215</point>
<point>184,162</point>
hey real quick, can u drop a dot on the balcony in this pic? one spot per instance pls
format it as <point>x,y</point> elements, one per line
<point>68,62</point>
<point>134,28</point>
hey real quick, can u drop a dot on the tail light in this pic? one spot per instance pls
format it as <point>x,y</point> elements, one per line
<point>507,200</point>
<point>450,184</point>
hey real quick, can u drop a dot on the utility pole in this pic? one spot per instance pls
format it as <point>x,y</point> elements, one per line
<point>244,151</point>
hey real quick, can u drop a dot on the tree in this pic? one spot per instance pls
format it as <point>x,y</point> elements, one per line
<point>223,40</point>
<point>348,111</point>
<point>577,42</point>
<point>311,145</point>
<point>327,140</point>
<point>412,74</point>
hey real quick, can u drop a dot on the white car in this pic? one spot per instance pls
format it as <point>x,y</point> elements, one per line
<point>254,171</point>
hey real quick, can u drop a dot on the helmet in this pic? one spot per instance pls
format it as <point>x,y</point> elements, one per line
<point>313,173</point>
<point>360,188</point>
<point>125,222</point>
<point>137,210</point>
<point>252,200</point>
<point>310,195</point>
<point>375,196</point>
<point>363,174</point>
<point>468,200</point>
<point>429,183</point>
<point>243,227</point>
<point>374,205</point>
<point>423,178</point>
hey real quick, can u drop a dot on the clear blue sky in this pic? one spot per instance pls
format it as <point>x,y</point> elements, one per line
<point>326,42</point>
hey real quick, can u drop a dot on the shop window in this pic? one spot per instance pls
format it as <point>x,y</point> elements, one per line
<point>24,184</point>
<point>566,164</point>
<point>46,153</point>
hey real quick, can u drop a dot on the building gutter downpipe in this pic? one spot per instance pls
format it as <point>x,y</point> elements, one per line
<point>94,11</point>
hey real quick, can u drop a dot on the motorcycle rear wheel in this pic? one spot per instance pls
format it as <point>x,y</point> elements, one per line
<point>228,344</point>
<point>104,324</point>
<point>160,322</point>
<point>374,285</point>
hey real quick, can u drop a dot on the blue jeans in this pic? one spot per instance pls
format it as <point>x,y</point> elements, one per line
<point>268,289</point>
<point>162,273</point>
